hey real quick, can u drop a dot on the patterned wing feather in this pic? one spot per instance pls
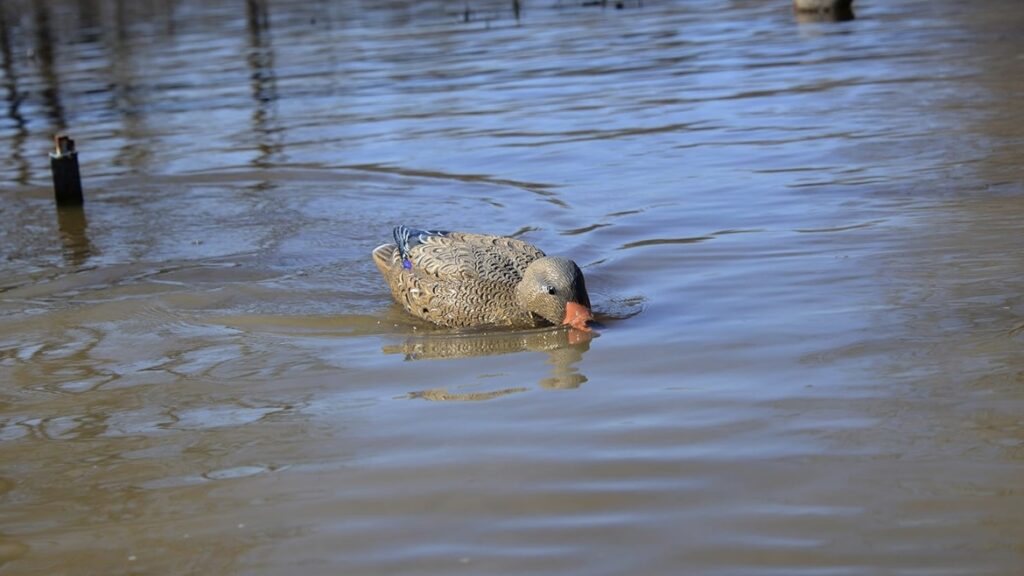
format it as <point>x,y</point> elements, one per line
<point>406,238</point>
<point>459,256</point>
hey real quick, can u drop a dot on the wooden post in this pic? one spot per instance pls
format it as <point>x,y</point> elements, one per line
<point>67,182</point>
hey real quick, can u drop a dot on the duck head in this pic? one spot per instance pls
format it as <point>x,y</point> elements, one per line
<point>553,289</point>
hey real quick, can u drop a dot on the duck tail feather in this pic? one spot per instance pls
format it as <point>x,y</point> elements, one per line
<point>407,237</point>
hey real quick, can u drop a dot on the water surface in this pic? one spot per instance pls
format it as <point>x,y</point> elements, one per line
<point>803,239</point>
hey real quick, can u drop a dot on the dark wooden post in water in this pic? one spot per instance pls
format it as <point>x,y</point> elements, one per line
<point>67,182</point>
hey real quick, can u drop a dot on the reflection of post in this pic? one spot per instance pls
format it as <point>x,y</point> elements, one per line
<point>264,83</point>
<point>90,21</point>
<point>125,97</point>
<point>256,11</point>
<point>120,22</point>
<point>44,48</point>
<point>72,223</point>
<point>13,102</point>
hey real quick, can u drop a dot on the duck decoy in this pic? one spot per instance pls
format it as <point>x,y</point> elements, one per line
<point>459,279</point>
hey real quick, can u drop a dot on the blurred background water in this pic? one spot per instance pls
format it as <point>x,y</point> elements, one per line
<point>803,238</point>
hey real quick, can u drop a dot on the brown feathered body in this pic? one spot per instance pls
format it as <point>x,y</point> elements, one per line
<point>459,279</point>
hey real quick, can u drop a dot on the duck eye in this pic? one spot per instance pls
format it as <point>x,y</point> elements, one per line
<point>550,289</point>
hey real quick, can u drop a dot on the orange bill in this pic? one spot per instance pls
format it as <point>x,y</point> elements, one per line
<point>577,316</point>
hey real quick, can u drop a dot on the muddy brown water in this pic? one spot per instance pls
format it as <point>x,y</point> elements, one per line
<point>804,240</point>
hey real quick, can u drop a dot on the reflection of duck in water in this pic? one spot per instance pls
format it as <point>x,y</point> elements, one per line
<point>458,279</point>
<point>445,346</point>
<point>564,348</point>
